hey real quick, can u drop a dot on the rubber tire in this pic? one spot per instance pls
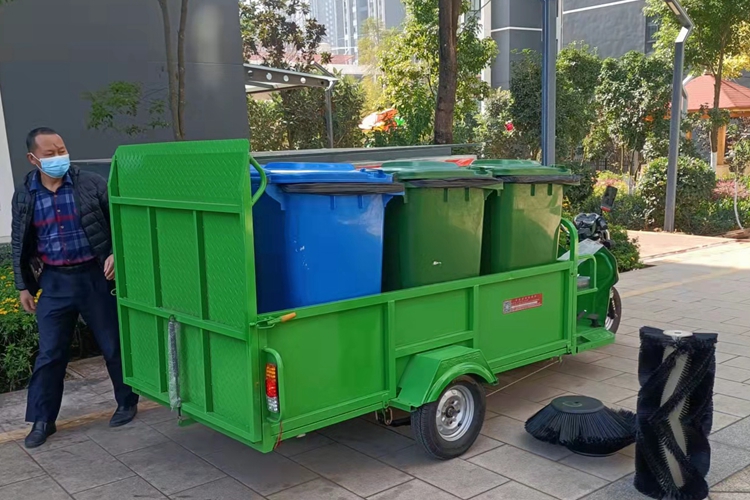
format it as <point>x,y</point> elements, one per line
<point>425,429</point>
<point>615,301</point>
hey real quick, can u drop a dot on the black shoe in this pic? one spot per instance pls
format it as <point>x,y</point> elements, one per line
<point>39,434</point>
<point>123,415</point>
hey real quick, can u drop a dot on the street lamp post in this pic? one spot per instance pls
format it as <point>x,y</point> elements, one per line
<point>549,78</point>
<point>676,113</point>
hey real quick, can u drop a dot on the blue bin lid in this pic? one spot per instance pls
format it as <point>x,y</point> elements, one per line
<point>303,173</point>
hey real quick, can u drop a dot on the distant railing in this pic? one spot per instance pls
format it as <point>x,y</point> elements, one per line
<point>343,155</point>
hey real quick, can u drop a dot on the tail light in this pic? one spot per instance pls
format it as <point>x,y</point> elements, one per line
<point>272,388</point>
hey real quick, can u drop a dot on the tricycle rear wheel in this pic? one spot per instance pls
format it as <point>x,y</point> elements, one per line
<point>448,427</point>
<point>614,311</point>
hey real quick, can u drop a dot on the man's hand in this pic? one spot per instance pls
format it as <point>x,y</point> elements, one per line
<point>28,302</point>
<point>109,268</point>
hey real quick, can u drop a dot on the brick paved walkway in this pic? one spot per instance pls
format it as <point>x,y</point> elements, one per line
<point>153,458</point>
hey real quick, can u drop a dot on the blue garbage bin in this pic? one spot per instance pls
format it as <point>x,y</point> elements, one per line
<point>318,233</point>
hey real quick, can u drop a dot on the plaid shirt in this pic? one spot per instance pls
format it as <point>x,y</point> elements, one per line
<point>60,237</point>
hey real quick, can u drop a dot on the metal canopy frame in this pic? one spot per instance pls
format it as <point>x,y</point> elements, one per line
<point>262,79</point>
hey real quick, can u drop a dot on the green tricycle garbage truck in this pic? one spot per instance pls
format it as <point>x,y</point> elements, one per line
<point>194,258</point>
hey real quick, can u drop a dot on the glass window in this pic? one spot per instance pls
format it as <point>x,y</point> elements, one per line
<point>652,26</point>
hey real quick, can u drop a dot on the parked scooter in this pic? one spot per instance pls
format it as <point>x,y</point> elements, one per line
<point>594,227</point>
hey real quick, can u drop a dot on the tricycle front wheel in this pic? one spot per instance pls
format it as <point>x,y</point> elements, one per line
<point>449,426</point>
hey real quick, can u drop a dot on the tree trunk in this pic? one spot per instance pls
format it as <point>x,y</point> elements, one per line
<point>171,71</point>
<point>181,70</point>
<point>449,11</point>
<point>715,126</point>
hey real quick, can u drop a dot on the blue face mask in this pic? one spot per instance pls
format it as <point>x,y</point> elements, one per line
<point>56,166</point>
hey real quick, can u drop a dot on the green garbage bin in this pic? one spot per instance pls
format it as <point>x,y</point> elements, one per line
<point>434,232</point>
<point>521,227</point>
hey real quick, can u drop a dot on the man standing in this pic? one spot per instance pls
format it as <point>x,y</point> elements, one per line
<point>61,225</point>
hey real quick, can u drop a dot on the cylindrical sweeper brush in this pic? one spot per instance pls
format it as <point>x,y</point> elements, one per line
<point>675,412</point>
<point>583,425</point>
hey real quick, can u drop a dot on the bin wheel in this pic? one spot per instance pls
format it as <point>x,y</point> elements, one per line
<point>614,311</point>
<point>449,426</point>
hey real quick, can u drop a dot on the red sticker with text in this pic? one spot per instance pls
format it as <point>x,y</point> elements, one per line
<point>522,303</point>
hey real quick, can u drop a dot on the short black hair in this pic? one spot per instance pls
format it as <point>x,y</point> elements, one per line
<point>31,137</point>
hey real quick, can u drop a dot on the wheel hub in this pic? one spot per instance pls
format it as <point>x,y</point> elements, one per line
<point>455,412</point>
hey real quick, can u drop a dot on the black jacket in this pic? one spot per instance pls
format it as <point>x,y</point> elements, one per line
<point>92,202</point>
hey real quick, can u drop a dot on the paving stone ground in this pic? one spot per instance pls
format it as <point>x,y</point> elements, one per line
<point>154,459</point>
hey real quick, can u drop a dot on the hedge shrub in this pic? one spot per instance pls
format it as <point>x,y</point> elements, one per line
<point>695,185</point>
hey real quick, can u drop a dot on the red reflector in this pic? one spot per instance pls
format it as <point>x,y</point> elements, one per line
<point>272,391</point>
<point>272,388</point>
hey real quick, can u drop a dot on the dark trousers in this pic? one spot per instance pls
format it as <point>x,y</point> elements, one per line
<point>65,295</point>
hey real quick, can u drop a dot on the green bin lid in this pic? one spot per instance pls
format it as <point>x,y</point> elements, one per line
<point>526,172</point>
<point>413,170</point>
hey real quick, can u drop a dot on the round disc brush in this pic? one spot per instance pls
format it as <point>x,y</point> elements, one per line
<point>583,425</point>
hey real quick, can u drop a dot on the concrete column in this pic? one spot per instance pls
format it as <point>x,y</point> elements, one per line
<point>6,180</point>
<point>515,25</point>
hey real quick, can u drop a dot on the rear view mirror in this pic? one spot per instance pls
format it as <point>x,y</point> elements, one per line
<point>608,200</point>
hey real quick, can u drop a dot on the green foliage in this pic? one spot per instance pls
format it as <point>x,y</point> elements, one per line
<point>626,250</point>
<point>606,178</point>
<point>695,184</point>
<point>630,211</point>
<point>296,119</point>
<point>408,71</point>
<point>267,131</point>
<point>19,335</point>
<point>577,75</point>
<point>634,93</point>
<point>741,156</point>
<point>577,196</point>
<point>492,130</point>
<point>281,32</point>
<point>119,105</point>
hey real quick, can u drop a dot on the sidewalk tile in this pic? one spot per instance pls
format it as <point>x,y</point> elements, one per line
<point>458,477</point>
<point>622,489</point>
<point>82,466</point>
<point>533,391</point>
<point>413,490</point>
<point>550,477</point>
<point>16,465</point>
<point>512,432</point>
<point>62,439</point>
<point>578,385</point>
<point>727,460</point>
<point>737,434</point>
<point>732,406</point>
<point>513,491</point>
<point>353,470</point>
<point>610,468</point>
<point>734,389</point>
<point>739,362</point>
<point>119,440</point>
<point>739,483</point>
<point>265,473</point>
<point>197,438</point>
<point>625,381</point>
<point>222,489</point>
<point>40,488</point>
<point>170,467</point>
<point>481,445</point>
<point>619,364</point>
<point>722,420</point>
<point>318,489</point>
<point>133,488</point>
<point>728,372</point>
<point>591,371</point>
<point>368,438</point>
<point>520,409</point>
<point>298,445</point>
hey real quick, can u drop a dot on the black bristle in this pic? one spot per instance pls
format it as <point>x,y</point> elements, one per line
<point>598,432</point>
